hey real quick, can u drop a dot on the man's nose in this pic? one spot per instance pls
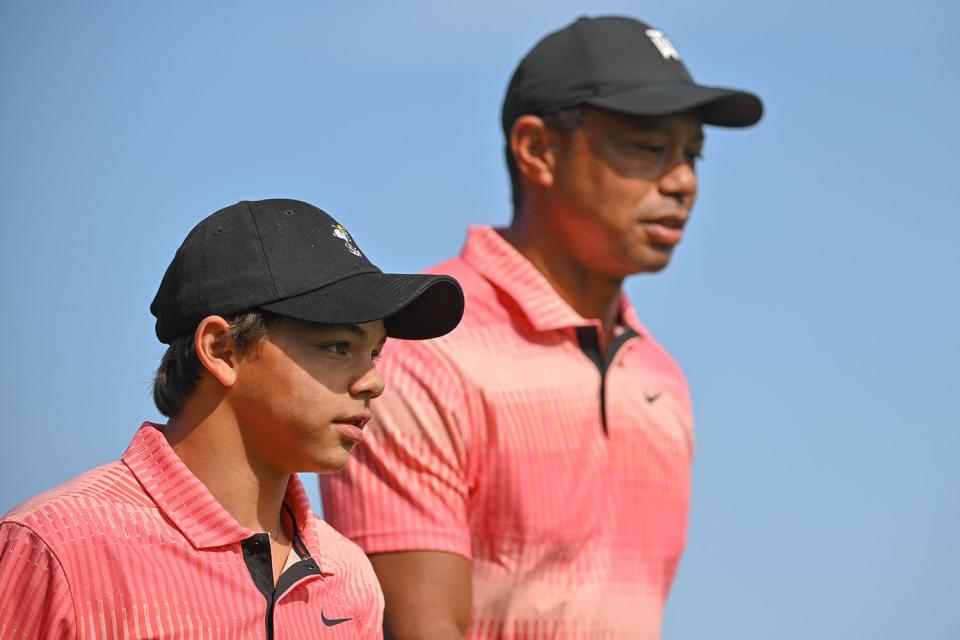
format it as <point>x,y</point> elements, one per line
<point>679,180</point>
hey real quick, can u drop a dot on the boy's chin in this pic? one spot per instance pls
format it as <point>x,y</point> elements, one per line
<point>333,461</point>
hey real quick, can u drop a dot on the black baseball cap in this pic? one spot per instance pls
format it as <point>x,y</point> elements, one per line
<point>291,258</point>
<point>619,64</point>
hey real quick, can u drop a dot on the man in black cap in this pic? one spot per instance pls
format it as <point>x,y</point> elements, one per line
<point>274,318</point>
<point>527,476</point>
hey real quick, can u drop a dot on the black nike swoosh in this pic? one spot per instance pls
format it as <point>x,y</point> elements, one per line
<point>332,621</point>
<point>652,397</point>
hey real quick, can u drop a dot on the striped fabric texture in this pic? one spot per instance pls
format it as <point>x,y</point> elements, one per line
<point>560,467</point>
<point>140,549</point>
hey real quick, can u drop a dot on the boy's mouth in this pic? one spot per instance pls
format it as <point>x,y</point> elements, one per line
<point>359,421</point>
<point>352,428</point>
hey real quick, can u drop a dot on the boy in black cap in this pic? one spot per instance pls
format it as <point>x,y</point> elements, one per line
<point>274,318</point>
<point>539,483</point>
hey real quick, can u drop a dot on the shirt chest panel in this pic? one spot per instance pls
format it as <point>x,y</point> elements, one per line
<point>172,590</point>
<point>649,465</point>
<point>553,477</point>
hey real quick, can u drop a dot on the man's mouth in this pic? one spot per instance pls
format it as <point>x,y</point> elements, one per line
<point>669,220</point>
<point>665,230</point>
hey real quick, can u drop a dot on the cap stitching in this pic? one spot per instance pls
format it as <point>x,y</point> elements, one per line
<point>331,283</point>
<point>181,321</point>
<point>586,51</point>
<point>263,252</point>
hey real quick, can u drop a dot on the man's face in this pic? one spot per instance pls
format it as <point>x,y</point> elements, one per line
<point>303,399</point>
<point>623,189</point>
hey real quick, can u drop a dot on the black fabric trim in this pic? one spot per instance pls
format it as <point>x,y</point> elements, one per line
<point>589,340</point>
<point>298,543</point>
<point>294,574</point>
<point>615,346</point>
<point>256,555</point>
<point>259,560</point>
<point>305,567</point>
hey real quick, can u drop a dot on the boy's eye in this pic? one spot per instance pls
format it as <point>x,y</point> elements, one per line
<point>338,348</point>
<point>376,356</point>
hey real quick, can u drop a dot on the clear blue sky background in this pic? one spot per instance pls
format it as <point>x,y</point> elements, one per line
<point>814,304</point>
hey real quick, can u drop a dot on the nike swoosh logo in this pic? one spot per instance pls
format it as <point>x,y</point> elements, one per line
<point>330,622</point>
<point>651,398</point>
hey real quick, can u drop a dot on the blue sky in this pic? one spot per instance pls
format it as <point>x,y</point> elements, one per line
<point>813,304</point>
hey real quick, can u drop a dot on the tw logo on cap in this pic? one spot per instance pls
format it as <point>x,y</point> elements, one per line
<point>344,235</point>
<point>663,45</point>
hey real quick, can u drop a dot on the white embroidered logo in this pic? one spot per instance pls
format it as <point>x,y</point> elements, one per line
<point>663,45</point>
<point>344,235</point>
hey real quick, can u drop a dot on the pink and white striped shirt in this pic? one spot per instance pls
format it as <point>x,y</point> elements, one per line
<point>560,469</point>
<point>139,548</point>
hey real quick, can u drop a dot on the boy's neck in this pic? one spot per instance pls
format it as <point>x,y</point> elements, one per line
<point>212,448</point>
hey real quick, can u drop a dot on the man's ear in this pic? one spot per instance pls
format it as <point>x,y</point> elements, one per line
<point>534,150</point>
<point>216,350</point>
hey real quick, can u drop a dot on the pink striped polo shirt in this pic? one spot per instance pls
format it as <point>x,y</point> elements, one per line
<point>139,548</point>
<point>561,470</point>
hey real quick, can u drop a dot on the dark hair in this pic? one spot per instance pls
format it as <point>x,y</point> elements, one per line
<point>180,369</point>
<point>565,122</point>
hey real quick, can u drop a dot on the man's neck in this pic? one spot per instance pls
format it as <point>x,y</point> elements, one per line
<point>590,294</point>
<point>212,448</point>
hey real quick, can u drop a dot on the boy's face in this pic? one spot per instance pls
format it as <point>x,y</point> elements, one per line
<point>302,400</point>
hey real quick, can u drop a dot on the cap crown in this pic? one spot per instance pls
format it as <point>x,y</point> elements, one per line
<point>589,58</point>
<point>250,254</point>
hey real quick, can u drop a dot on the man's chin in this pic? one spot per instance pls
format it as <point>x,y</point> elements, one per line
<point>653,260</point>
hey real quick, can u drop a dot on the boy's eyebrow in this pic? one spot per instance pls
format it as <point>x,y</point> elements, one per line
<point>356,330</point>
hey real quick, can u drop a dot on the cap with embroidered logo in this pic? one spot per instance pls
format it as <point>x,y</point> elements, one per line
<point>622,65</point>
<point>291,258</point>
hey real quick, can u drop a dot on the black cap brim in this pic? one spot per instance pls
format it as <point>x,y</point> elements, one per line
<point>718,106</point>
<point>412,306</point>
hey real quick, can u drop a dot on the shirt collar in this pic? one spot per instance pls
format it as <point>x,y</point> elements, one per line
<point>505,267</point>
<point>188,503</point>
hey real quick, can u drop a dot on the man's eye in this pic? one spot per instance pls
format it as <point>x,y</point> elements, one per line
<point>376,356</point>
<point>693,156</point>
<point>653,149</point>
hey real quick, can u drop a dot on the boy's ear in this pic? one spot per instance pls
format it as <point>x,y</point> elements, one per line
<point>533,148</point>
<point>216,350</point>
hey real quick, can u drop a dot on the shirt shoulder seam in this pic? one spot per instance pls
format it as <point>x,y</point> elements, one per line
<point>56,557</point>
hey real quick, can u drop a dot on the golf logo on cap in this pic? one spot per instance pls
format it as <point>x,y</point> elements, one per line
<point>663,45</point>
<point>344,235</point>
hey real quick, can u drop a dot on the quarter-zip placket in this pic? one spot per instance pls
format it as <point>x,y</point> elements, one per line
<point>589,340</point>
<point>257,557</point>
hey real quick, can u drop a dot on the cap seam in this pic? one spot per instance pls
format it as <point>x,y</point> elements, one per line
<point>618,91</point>
<point>587,53</point>
<point>328,284</point>
<point>263,252</point>
<point>725,94</point>
<point>182,316</point>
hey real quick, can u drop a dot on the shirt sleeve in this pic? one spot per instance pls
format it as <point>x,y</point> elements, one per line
<point>408,484</point>
<point>35,597</point>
